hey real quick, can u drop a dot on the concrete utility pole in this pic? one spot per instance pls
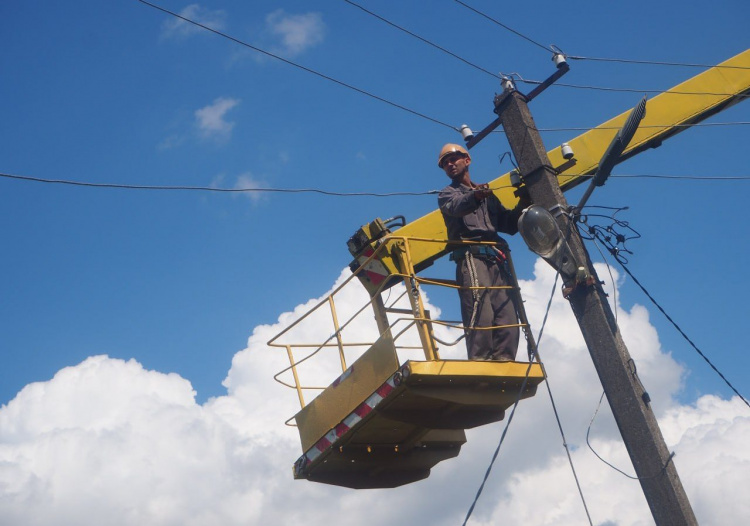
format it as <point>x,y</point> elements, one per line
<point>629,402</point>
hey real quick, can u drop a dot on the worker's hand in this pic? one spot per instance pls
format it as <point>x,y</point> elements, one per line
<point>482,191</point>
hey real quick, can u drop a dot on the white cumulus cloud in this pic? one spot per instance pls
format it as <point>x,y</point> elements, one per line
<point>247,181</point>
<point>297,32</point>
<point>179,28</point>
<point>110,442</point>
<point>211,119</point>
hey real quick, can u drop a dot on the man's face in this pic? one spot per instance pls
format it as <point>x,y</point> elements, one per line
<point>455,165</point>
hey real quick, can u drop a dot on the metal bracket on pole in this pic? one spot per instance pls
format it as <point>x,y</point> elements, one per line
<point>615,149</point>
<point>562,69</point>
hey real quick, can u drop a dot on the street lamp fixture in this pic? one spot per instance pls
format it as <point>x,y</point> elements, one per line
<point>542,234</point>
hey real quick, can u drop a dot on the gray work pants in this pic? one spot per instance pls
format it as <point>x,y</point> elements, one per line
<point>494,308</point>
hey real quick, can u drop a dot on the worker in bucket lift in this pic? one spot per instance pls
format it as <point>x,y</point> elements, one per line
<point>473,213</point>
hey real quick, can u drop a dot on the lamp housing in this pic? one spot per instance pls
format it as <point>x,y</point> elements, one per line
<point>542,235</point>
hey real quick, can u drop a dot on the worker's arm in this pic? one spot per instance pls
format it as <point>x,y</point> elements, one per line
<point>459,201</point>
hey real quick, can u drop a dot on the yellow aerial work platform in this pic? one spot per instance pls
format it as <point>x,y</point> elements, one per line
<point>385,422</point>
<point>395,433</point>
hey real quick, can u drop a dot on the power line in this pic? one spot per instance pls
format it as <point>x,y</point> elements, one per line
<point>654,62</point>
<point>684,177</point>
<point>630,90</point>
<point>467,6</point>
<point>598,59</point>
<point>428,42</point>
<point>122,186</point>
<point>518,77</point>
<point>614,289</point>
<point>215,189</point>
<point>296,65</point>
<point>552,399</point>
<point>682,333</point>
<point>399,106</point>
<point>606,235</point>
<point>631,477</point>
<point>557,414</point>
<point>499,445</point>
<point>510,418</point>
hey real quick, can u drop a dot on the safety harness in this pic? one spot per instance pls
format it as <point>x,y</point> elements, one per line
<point>468,253</point>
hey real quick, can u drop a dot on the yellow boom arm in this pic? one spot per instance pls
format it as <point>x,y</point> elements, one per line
<point>667,114</point>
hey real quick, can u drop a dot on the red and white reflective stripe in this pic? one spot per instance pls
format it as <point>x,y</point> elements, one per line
<point>344,426</point>
<point>374,269</point>
<point>343,376</point>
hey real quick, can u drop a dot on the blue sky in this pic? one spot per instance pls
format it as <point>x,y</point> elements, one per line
<point>177,281</point>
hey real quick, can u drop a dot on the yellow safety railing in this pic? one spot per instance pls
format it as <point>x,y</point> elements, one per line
<point>410,322</point>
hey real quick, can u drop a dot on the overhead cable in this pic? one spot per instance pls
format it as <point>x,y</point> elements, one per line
<point>216,189</point>
<point>296,65</point>
<point>611,279</point>
<point>518,77</point>
<point>631,477</point>
<point>122,186</point>
<point>612,240</point>
<point>557,414</point>
<point>682,333</point>
<point>685,177</point>
<point>510,418</point>
<point>497,449</point>
<point>631,90</point>
<point>467,6</point>
<point>552,399</point>
<point>654,62</point>
<point>400,28</point>
<point>598,59</point>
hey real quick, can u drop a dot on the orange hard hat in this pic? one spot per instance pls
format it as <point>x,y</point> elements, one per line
<point>449,149</point>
